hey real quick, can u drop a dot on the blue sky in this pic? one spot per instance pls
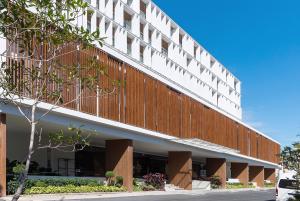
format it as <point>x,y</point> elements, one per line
<point>259,42</point>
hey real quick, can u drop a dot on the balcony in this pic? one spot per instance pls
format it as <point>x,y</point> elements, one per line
<point>164,51</point>
<point>127,25</point>
<point>143,15</point>
<point>129,2</point>
<point>141,58</point>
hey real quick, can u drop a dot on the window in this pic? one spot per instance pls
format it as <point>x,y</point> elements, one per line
<point>195,50</point>
<point>188,61</point>
<point>106,26</point>
<point>173,30</point>
<point>164,47</point>
<point>114,36</point>
<point>127,20</point>
<point>114,9</point>
<point>142,54</point>
<point>212,62</point>
<point>98,22</point>
<point>89,24</point>
<point>129,2</point>
<point>142,31</point>
<point>97,4</point>
<point>129,46</point>
<point>289,184</point>
<point>180,39</point>
<point>150,36</point>
<point>143,8</point>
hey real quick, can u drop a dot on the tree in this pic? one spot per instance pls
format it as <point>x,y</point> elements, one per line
<point>40,34</point>
<point>290,157</point>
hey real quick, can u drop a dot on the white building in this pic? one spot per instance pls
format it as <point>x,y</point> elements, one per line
<point>140,33</point>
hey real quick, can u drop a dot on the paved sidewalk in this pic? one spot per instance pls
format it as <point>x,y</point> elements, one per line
<point>81,196</point>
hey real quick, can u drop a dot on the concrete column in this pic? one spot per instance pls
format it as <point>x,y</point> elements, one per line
<point>119,159</point>
<point>240,171</point>
<point>269,174</point>
<point>256,174</point>
<point>180,169</point>
<point>217,167</point>
<point>2,155</point>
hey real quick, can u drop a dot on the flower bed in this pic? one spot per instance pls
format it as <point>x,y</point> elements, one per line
<point>73,189</point>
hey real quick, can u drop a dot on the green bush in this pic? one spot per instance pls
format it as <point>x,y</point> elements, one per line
<point>147,187</point>
<point>119,181</point>
<point>13,184</point>
<point>269,185</point>
<point>73,189</point>
<point>109,177</point>
<point>215,182</point>
<point>234,185</point>
<point>251,185</point>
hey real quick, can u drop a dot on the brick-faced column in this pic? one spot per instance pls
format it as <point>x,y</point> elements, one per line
<point>269,174</point>
<point>256,174</point>
<point>180,169</point>
<point>240,171</point>
<point>119,159</point>
<point>217,167</point>
<point>2,154</point>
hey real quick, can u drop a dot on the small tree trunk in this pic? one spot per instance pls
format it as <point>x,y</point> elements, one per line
<point>23,176</point>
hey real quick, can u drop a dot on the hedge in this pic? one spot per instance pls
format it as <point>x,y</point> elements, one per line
<point>269,185</point>
<point>73,189</point>
<point>13,184</point>
<point>234,185</point>
<point>238,185</point>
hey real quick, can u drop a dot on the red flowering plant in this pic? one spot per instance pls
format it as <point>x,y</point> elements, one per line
<point>157,180</point>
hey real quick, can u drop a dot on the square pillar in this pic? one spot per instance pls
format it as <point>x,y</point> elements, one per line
<point>240,171</point>
<point>180,169</point>
<point>2,154</point>
<point>269,174</point>
<point>119,159</point>
<point>217,167</point>
<point>256,174</point>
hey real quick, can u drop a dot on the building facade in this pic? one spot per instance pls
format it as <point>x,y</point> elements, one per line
<point>179,113</point>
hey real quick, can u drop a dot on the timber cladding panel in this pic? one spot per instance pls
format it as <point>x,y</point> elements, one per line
<point>148,103</point>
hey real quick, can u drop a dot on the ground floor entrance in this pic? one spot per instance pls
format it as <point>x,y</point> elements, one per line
<point>129,154</point>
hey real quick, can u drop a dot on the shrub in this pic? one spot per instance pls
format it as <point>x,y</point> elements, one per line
<point>13,184</point>
<point>234,185</point>
<point>119,181</point>
<point>156,180</point>
<point>215,182</point>
<point>18,168</point>
<point>109,177</point>
<point>146,187</point>
<point>251,185</point>
<point>269,185</point>
<point>73,189</point>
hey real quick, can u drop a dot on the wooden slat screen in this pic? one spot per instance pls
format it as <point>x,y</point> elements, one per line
<point>148,103</point>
